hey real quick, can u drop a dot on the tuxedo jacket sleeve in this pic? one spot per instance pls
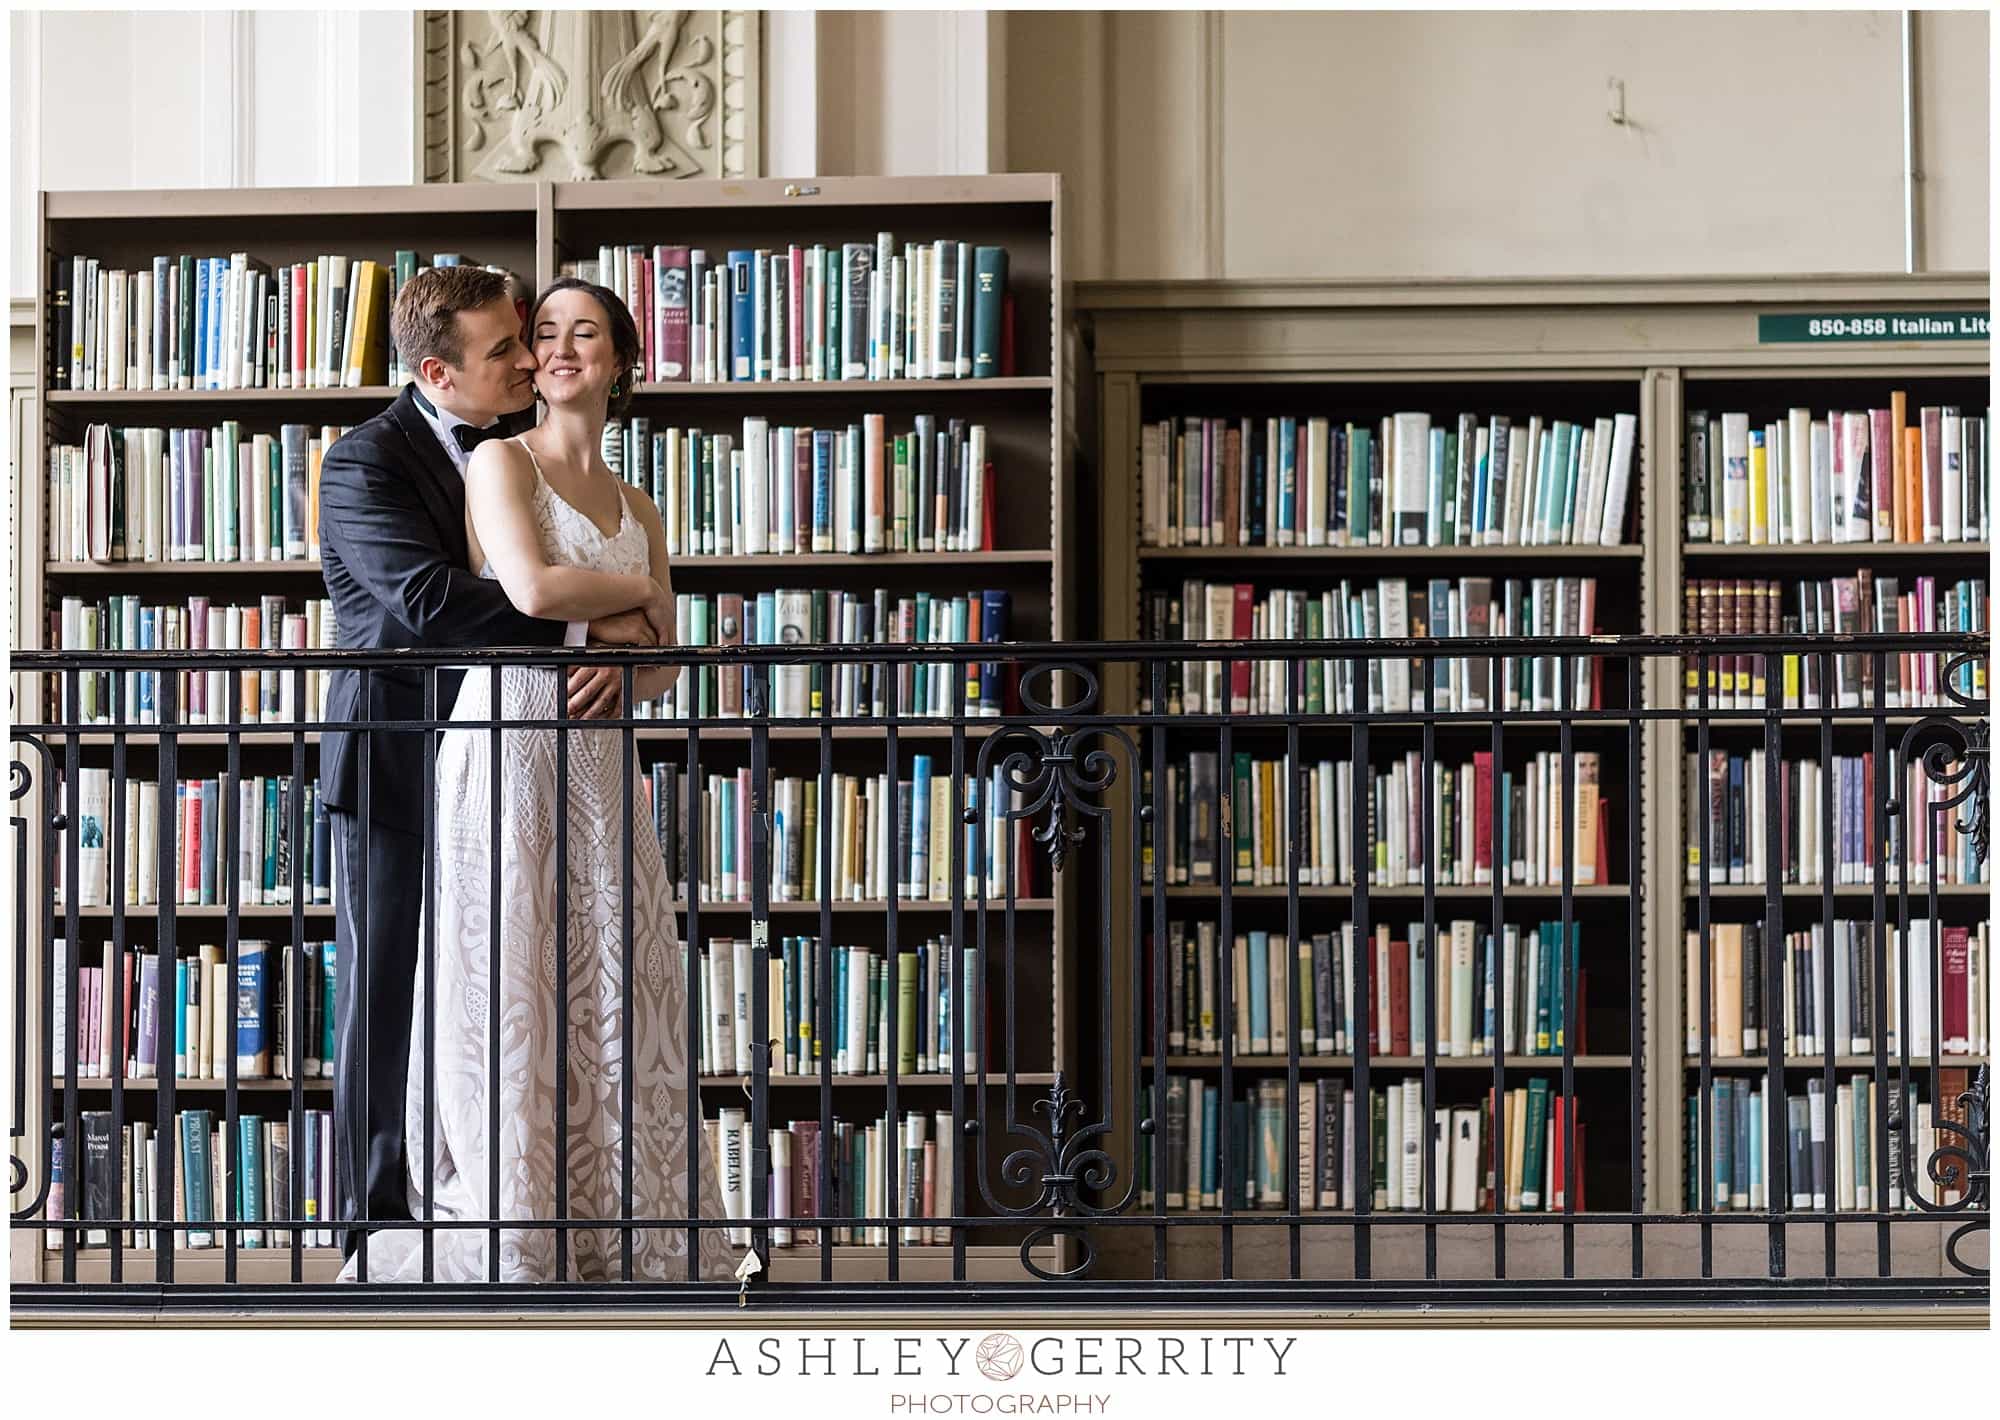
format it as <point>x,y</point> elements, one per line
<point>391,546</point>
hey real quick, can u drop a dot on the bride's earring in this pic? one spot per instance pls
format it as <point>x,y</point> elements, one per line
<point>615,388</point>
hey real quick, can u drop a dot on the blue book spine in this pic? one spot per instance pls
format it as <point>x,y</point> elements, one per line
<point>1211,1145</point>
<point>919,879</point>
<point>248,1176</point>
<point>180,1017</point>
<point>840,1002</point>
<point>327,973</point>
<point>201,331</point>
<point>218,304</point>
<point>822,492</point>
<point>727,848</point>
<point>996,606</point>
<point>1288,475</point>
<point>742,315</point>
<point>252,994</point>
<point>1260,991</point>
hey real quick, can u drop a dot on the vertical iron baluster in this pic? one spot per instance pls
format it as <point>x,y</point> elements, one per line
<point>1829,1028</point>
<point>364,918</point>
<point>1777,1179</point>
<point>1567,696</point>
<point>627,756</point>
<point>1162,827</point>
<point>757,707</point>
<point>122,1052</point>
<point>1878,876</point>
<point>893,1152</point>
<point>1496,954</point>
<point>229,847</point>
<point>74,1192</point>
<point>295,1004</point>
<point>496,918</point>
<point>1225,872</point>
<point>563,965</point>
<point>1294,978</point>
<point>1705,958</point>
<point>947,970</point>
<point>167,892</point>
<point>1426,848</point>
<point>832,1188</point>
<point>694,884</point>
<point>1635,1037</point>
<point>1364,995</point>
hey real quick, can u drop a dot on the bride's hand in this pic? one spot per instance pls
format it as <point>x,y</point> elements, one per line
<point>659,611</point>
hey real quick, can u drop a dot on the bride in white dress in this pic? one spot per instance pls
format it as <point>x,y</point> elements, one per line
<point>569,541</point>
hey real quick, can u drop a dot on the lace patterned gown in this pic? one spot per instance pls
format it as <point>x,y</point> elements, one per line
<point>593,953</point>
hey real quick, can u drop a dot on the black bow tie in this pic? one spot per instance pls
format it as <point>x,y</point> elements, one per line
<point>470,438</point>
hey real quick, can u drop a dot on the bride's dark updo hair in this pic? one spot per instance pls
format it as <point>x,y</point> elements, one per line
<point>624,334</point>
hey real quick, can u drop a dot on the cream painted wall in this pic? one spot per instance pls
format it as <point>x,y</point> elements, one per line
<point>205,99</point>
<point>1314,144</point>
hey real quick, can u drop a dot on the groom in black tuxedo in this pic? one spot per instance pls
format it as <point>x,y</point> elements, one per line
<point>393,547</point>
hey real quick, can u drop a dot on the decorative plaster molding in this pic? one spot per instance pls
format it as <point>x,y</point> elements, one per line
<point>574,94</point>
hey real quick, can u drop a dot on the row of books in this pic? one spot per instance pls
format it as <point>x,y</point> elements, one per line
<point>935,309</point>
<point>1478,827</point>
<point>148,494</point>
<point>1398,481</point>
<point>1947,989</point>
<point>855,986</point>
<point>1344,1157</point>
<point>1728,808</point>
<point>1829,1158</point>
<point>1392,607</point>
<point>1867,601</point>
<point>881,1168</point>
<point>219,1177</point>
<point>1465,978</point>
<point>228,322</point>
<point>190,1002</point>
<point>871,852</point>
<point>855,488</point>
<point>264,810</point>
<point>126,622</point>
<point>1870,475</point>
<point>819,617</point>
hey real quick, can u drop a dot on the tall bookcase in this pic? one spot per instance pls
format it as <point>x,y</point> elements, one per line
<point>1654,348</point>
<point>532,229</point>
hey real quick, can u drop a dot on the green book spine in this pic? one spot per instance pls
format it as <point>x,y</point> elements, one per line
<point>195,1194</point>
<point>989,285</point>
<point>1378,1133</point>
<point>249,1176</point>
<point>1545,957</point>
<point>1211,1150</point>
<point>1534,1156</point>
<point>1315,668</point>
<point>1360,527</point>
<point>326,1009</point>
<point>906,1012</point>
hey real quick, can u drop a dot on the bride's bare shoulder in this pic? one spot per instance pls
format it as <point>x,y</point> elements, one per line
<point>502,465</point>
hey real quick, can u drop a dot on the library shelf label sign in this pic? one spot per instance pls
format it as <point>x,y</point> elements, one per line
<point>1872,325</point>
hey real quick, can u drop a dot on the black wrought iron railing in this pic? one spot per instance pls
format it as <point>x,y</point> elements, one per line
<point>1350,970</point>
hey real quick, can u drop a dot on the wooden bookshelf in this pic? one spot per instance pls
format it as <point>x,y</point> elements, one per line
<point>1653,347</point>
<point>532,229</point>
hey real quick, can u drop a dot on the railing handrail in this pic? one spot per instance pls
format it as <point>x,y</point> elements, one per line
<point>1047,651</point>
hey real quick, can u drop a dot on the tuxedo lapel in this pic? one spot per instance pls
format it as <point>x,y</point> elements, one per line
<point>438,482</point>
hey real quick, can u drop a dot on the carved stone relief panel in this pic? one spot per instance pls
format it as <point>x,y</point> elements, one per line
<point>564,95</point>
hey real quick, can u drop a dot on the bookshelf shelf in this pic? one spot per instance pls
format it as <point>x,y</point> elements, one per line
<point>1461,893</point>
<point>878,1080</point>
<point>533,229</point>
<point>952,390</point>
<point>1519,1064</point>
<point>1394,556</point>
<point>1840,891</point>
<point>320,1083</point>
<point>1840,1062</point>
<point>1841,551</point>
<point>187,401</point>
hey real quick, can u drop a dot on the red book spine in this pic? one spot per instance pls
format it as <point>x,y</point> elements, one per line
<point>648,279</point>
<point>299,365</point>
<point>1399,998</point>
<point>795,318</point>
<point>673,361</point>
<point>1239,671</point>
<point>1955,989</point>
<point>1482,812</point>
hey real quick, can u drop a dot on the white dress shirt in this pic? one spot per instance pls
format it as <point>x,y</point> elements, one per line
<point>442,422</point>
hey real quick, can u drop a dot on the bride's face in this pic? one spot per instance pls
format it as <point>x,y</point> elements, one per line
<point>574,349</point>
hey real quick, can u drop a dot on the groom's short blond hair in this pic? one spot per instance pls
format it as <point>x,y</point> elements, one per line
<point>425,320</point>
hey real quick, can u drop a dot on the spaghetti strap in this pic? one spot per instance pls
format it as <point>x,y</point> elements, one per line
<point>522,440</point>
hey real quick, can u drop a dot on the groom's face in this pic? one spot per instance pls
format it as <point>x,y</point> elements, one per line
<point>497,375</point>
